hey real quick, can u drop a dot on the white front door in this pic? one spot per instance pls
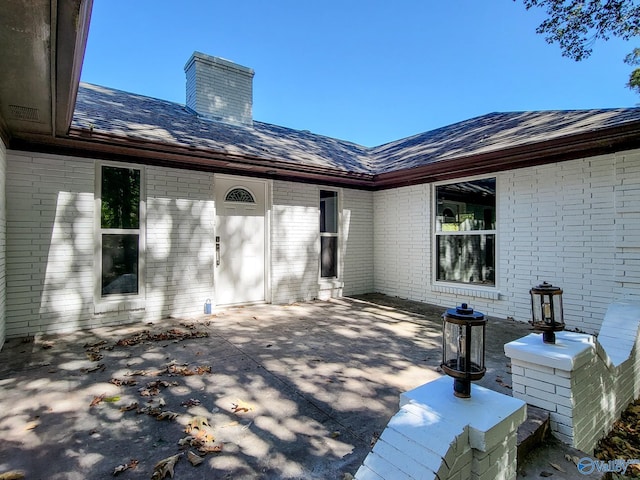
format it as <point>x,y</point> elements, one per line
<point>240,240</point>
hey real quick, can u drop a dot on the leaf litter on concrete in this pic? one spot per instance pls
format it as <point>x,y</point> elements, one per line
<point>200,432</point>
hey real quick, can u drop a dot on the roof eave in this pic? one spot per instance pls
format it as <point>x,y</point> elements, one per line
<point>572,147</point>
<point>87,143</point>
<point>73,19</point>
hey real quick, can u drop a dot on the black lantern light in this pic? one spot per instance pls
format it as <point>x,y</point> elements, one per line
<point>546,305</point>
<point>463,347</point>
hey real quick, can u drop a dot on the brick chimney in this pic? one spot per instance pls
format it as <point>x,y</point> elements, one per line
<point>219,89</point>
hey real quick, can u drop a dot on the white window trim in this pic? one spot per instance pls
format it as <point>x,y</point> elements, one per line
<point>124,301</point>
<point>333,282</point>
<point>458,288</point>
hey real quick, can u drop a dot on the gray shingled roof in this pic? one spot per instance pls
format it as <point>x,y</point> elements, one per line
<point>126,114</point>
<point>494,132</point>
<point>134,116</point>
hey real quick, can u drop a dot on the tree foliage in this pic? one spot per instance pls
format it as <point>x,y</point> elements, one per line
<point>575,25</point>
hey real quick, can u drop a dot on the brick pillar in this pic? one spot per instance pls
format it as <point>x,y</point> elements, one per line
<point>436,435</point>
<point>556,377</point>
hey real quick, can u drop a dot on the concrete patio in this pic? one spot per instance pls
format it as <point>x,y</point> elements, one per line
<point>296,391</point>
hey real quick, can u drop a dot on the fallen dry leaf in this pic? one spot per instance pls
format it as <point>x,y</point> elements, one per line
<point>557,467</point>
<point>171,334</point>
<point>119,382</point>
<point>128,408</point>
<point>196,423</point>
<point>126,466</point>
<point>210,449</point>
<point>167,415</point>
<point>165,467</point>
<point>194,459</point>
<point>191,403</point>
<point>100,366</point>
<point>241,407</point>
<point>94,356</point>
<point>32,425</point>
<point>153,388</point>
<point>183,442</point>
<point>186,371</point>
<point>97,400</point>
<point>12,475</point>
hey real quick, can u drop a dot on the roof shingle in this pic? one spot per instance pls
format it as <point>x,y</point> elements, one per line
<point>128,115</point>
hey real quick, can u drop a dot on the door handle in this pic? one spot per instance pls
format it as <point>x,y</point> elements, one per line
<point>217,251</point>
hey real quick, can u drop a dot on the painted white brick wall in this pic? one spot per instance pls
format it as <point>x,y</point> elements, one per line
<point>402,246</point>
<point>295,243</point>
<point>180,241</point>
<point>220,89</point>
<point>50,245</point>
<point>627,208</point>
<point>3,241</point>
<point>357,241</point>
<point>575,224</point>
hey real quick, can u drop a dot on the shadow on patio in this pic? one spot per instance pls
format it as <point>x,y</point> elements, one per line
<point>296,391</point>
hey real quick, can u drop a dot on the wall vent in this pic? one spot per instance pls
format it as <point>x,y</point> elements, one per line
<point>18,112</point>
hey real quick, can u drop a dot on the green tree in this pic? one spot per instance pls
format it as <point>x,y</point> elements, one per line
<point>575,25</point>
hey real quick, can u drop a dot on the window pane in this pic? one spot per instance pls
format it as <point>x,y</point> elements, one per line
<point>119,264</point>
<point>328,212</point>
<point>466,258</point>
<point>466,206</point>
<point>120,197</point>
<point>329,256</point>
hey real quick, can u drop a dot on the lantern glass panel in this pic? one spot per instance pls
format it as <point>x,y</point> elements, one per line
<point>477,349</point>
<point>557,309</point>
<point>453,341</point>
<point>536,305</point>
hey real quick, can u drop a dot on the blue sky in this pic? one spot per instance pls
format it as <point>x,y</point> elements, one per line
<point>368,71</point>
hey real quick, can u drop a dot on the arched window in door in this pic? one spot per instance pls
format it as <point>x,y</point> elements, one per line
<point>239,195</point>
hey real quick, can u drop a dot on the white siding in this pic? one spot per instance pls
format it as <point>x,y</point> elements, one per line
<point>50,245</point>
<point>574,224</point>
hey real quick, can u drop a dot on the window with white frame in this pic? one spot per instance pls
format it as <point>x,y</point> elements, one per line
<point>465,232</point>
<point>328,234</point>
<point>120,231</point>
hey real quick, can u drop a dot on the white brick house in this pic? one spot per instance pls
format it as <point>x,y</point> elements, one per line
<point>122,208</point>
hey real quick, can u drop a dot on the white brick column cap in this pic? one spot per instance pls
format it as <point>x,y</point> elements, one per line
<point>570,351</point>
<point>490,415</point>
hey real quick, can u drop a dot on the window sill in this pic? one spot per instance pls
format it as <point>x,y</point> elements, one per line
<point>119,305</point>
<point>330,283</point>
<point>490,293</point>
